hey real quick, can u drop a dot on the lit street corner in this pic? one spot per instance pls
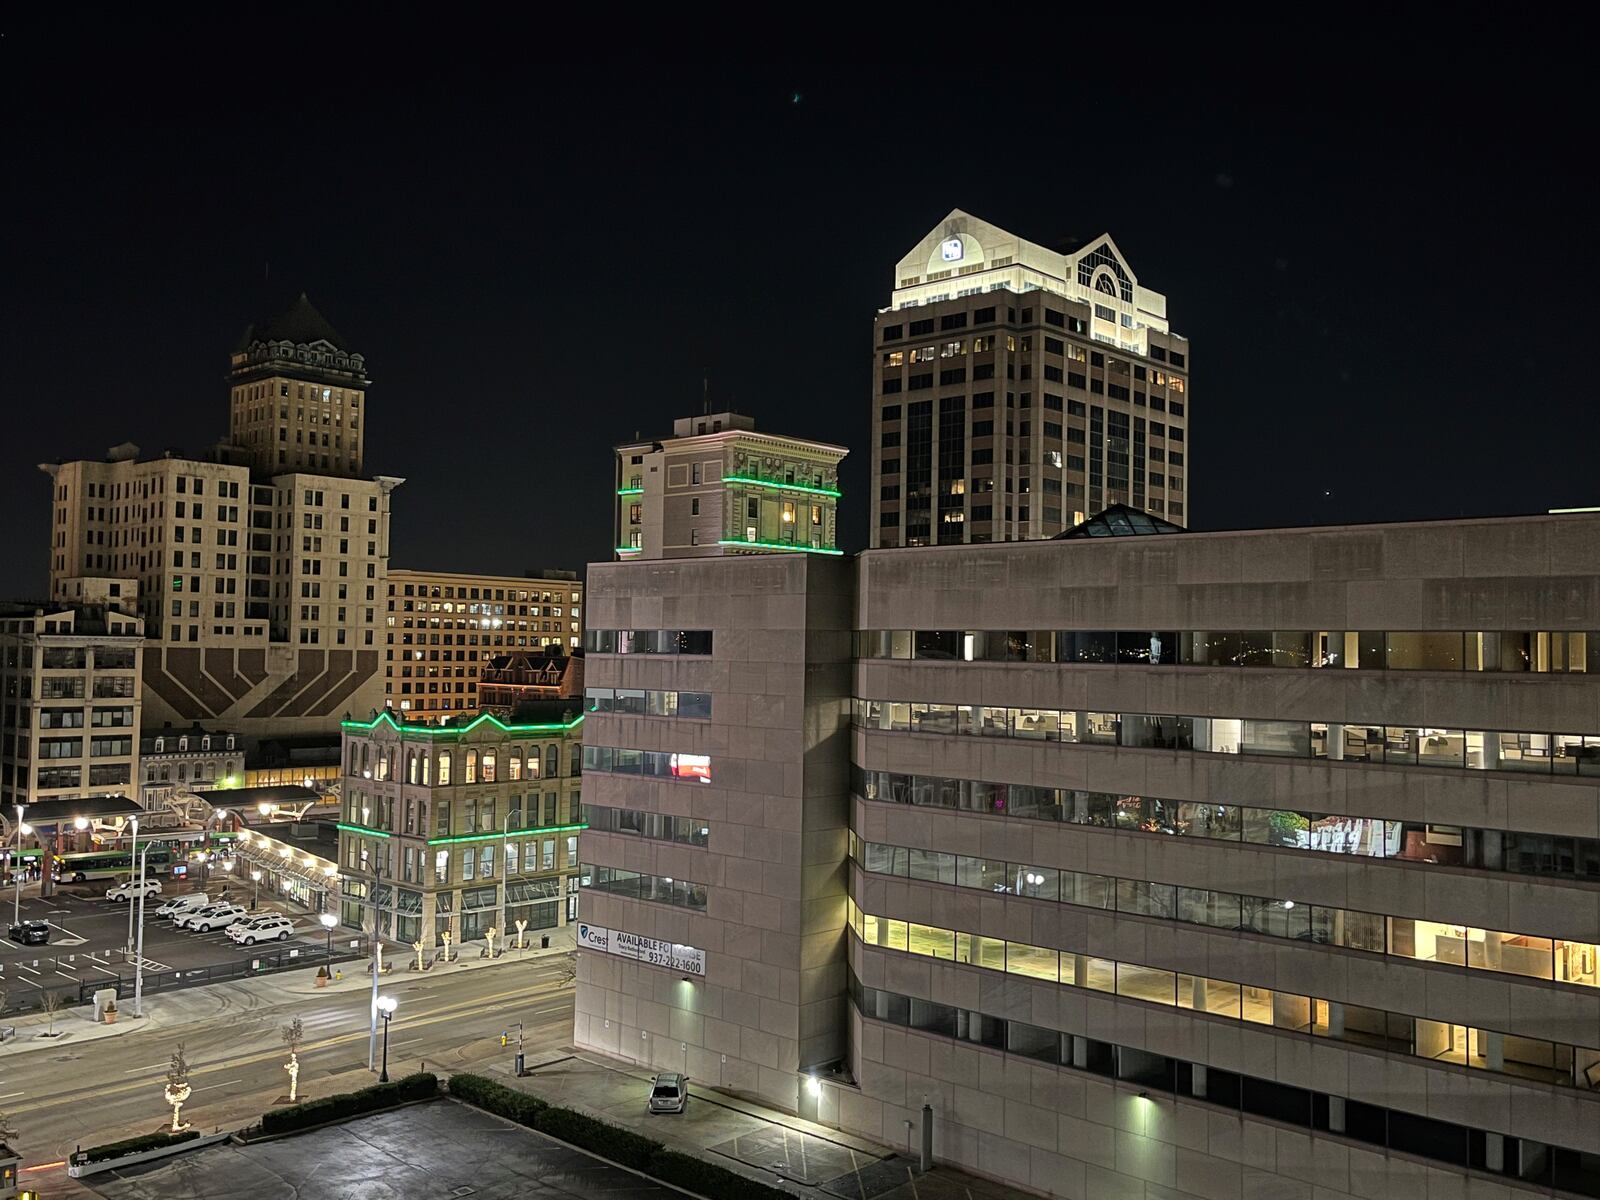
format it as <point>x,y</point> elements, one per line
<point>111,1088</point>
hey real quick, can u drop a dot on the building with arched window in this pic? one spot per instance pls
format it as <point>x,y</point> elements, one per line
<point>462,826</point>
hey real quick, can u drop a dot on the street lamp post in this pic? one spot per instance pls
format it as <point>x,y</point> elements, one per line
<point>133,857</point>
<point>16,868</point>
<point>329,920</point>
<point>138,958</point>
<point>255,900</point>
<point>505,876</point>
<point>386,1006</point>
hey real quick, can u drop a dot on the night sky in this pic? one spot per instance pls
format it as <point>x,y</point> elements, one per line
<point>1383,267</point>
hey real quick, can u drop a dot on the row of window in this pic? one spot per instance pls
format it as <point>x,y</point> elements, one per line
<point>636,702</point>
<point>367,761</point>
<point>689,831</point>
<point>1400,1033</point>
<point>76,658</point>
<point>1324,833</point>
<point>475,815</point>
<point>451,592</point>
<point>50,778</point>
<point>1402,937</point>
<point>72,718</point>
<point>1393,1129</point>
<point>988,315</point>
<point>662,889</point>
<point>1432,650</point>
<point>464,864</point>
<point>647,641</point>
<point>619,761</point>
<point>1408,745</point>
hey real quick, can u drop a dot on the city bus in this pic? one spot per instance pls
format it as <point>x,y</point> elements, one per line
<point>111,864</point>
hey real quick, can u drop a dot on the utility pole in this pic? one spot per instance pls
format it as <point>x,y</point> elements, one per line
<point>133,857</point>
<point>16,870</point>
<point>138,961</point>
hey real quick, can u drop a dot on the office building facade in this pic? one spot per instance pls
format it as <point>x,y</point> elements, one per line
<point>1196,865</point>
<point>1018,389</point>
<point>717,486</point>
<point>259,583</point>
<point>444,628</point>
<point>69,704</point>
<point>461,827</point>
<point>711,932</point>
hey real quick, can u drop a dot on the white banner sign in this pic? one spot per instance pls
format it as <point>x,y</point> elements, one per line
<point>673,955</point>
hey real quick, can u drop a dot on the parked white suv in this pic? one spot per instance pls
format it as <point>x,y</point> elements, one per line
<point>217,916</point>
<point>272,927</point>
<point>132,889</point>
<point>187,903</point>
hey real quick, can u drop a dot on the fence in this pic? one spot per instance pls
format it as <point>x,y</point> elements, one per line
<point>264,963</point>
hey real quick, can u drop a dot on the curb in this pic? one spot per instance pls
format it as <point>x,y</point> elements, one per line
<point>79,1170</point>
<point>239,1138</point>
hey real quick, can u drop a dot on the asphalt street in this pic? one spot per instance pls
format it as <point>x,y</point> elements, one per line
<point>88,934</point>
<point>62,1097</point>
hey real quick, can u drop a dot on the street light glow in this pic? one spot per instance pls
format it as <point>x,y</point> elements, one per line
<point>387,1004</point>
<point>328,920</point>
<point>80,823</point>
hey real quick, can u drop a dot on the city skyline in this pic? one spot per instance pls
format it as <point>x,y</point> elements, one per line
<point>1340,289</point>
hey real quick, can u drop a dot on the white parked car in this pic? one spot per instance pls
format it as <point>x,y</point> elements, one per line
<point>217,916</point>
<point>272,927</point>
<point>669,1093</point>
<point>187,903</point>
<point>133,889</point>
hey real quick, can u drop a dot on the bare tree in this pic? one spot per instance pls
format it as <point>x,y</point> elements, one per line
<point>293,1034</point>
<point>177,1089</point>
<point>51,1003</point>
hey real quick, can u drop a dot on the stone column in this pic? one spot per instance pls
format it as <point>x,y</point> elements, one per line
<point>1335,743</point>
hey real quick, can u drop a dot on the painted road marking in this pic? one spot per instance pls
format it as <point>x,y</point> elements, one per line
<point>153,1067</point>
<point>209,1086</point>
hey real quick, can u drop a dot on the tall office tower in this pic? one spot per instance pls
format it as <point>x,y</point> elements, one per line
<point>1017,390</point>
<point>69,703</point>
<point>715,790</point>
<point>259,588</point>
<point>445,627</point>
<point>716,486</point>
<point>297,392</point>
<point>1156,886</point>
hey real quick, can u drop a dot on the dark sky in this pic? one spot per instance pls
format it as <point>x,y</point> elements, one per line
<point>1383,263</point>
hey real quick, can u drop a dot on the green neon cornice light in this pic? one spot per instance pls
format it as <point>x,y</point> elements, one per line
<point>384,718</point>
<point>630,491</point>
<point>629,549</point>
<point>515,833</point>
<point>362,830</point>
<point>779,546</point>
<point>781,487</point>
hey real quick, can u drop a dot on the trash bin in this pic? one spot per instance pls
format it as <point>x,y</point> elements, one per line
<point>544,941</point>
<point>519,1066</point>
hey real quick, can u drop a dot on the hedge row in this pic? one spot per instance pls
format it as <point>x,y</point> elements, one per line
<point>349,1104</point>
<point>148,1141</point>
<point>623,1146</point>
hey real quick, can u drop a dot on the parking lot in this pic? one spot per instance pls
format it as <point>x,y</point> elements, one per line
<point>88,936</point>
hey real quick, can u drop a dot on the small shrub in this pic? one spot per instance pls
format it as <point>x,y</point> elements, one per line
<point>148,1141</point>
<point>350,1104</point>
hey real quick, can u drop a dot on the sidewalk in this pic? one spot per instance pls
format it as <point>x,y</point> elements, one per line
<point>760,1143</point>
<point>77,1025</point>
